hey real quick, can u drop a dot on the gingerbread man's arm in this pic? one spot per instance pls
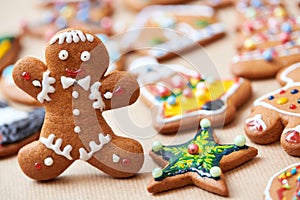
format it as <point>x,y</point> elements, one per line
<point>119,89</point>
<point>28,75</point>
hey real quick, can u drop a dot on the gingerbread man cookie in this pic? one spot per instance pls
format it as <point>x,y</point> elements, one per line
<point>75,92</point>
<point>275,117</point>
<point>199,161</point>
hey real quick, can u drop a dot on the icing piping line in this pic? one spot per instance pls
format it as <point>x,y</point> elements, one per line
<point>46,87</point>
<point>283,75</point>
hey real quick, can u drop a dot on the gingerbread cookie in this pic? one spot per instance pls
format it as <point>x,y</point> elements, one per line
<point>11,92</point>
<point>275,117</point>
<point>9,50</point>
<point>284,184</point>
<point>200,161</point>
<point>18,128</point>
<point>265,62</point>
<point>92,15</point>
<point>166,31</point>
<point>289,74</point>
<point>184,97</point>
<point>74,91</point>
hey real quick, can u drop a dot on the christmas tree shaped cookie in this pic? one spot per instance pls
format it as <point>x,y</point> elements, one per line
<point>173,29</point>
<point>200,161</point>
<point>183,97</point>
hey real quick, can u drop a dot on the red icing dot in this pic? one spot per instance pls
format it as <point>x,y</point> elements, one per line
<point>37,166</point>
<point>193,149</point>
<point>125,162</point>
<point>285,37</point>
<point>293,137</point>
<point>293,106</point>
<point>26,76</point>
<point>282,92</point>
<point>119,91</point>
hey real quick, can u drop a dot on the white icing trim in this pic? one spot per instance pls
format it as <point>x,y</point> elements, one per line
<point>108,95</point>
<point>66,82</point>
<point>284,73</point>
<point>259,120</point>
<point>268,187</point>
<point>115,158</point>
<point>48,142</point>
<point>85,82</point>
<point>71,36</point>
<point>297,128</point>
<point>94,147</point>
<point>9,115</point>
<point>96,95</point>
<point>36,83</point>
<point>46,87</point>
<point>259,102</point>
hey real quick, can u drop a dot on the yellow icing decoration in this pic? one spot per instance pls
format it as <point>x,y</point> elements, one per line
<point>279,12</point>
<point>185,105</point>
<point>4,47</point>
<point>194,81</point>
<point>282,100</point>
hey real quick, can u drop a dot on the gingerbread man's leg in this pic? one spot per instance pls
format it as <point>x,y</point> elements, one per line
<point>290,138</point>
<point>121,158</point>
<point>40,162</point>
<point>264,126</point>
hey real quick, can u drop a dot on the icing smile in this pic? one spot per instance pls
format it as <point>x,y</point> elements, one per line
<point>74,73</point>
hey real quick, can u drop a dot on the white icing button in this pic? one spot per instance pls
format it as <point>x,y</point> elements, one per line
<point>115,158</point>
<point>77,129</point>
<point>48,161</point>
<point>75,94</point>
<point>108,95</point>
<point>36,83</point>
<point>76,112</point>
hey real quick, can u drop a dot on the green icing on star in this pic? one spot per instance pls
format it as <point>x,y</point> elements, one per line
<point>155,41</point>
<point>202,23</point>
<point>4,38</point>
<point>209,154</point>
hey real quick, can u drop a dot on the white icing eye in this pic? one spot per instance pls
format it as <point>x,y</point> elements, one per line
<point>85,56</point>
<point>63,54</point>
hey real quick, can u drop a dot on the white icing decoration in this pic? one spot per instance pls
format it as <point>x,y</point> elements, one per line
<point>259,102</point>
<point>94,147</point>
<point>96,95</point>
<point>10,115</point>
<point>75,94</point>
<point>63,54</point>
<point>268,187</point>
<point>46,87</point>
<point>67,82</point>
<point>85,56</point>
<point>48,142</point>
<point>297,128</point>
<point>76,112</point>
<point>259,120</point>
<point>48,161</point>
<point>77,129</point>
<point>36,83</point>
<point>283,75</point>
<point>115,158</point>
<point>71,36</point>
<point>108,95</point>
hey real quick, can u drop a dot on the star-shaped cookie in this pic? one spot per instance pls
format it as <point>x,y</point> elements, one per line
<point>199,162</point>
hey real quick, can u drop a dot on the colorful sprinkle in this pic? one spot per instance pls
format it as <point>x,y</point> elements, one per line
<point>202,23</point>
<point>156,146</point>
<point>285,27</point>
<point>171,100</point>
<point>282,100</point>
<point>285,37</point>
<point>215,171</point>
<point>293,170</point>
<point>26,76</point>
<point>249,44</point>
<point>157,172</point>
<point>37,166</point>
<point>193,149</point>
<point>271,97</point>
<point>293,106</point>
<point>294,91</point>
<point>279,12</point>
<point>268,55</point>
<point>240,140</point>
<point>282,92</point>
<point>205,123</point>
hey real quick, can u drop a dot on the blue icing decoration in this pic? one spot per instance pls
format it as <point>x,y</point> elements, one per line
<point>271,97</point>
<point>294,91</point>
<point>267,55</point>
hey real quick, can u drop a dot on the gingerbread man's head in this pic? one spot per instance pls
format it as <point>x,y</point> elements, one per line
<point>76,53</point>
